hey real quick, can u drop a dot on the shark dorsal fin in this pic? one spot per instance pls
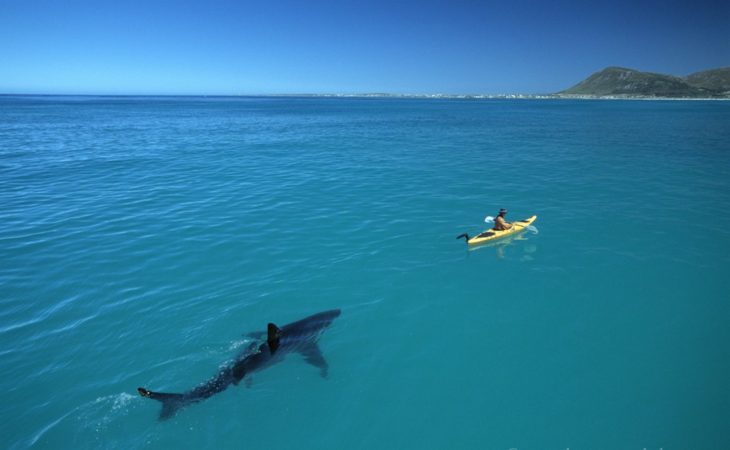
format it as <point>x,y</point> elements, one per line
<point>274,333</point>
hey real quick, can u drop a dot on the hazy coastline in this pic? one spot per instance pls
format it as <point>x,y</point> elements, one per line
<point>382,95</point>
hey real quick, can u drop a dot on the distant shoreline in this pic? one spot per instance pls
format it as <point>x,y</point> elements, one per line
<point>392,96</point>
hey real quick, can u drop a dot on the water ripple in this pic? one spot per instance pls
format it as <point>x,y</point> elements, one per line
<point>140,239</point>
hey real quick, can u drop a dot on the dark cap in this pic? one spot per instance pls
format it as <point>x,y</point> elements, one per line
<point>503,211</point>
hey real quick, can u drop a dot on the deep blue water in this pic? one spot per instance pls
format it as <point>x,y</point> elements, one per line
<point>141,238</point>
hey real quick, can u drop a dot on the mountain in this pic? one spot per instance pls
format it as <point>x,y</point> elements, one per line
<point>717,80</point>
<point>622,82</point>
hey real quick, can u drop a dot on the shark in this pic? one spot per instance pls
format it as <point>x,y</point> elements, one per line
<point>297,337</point>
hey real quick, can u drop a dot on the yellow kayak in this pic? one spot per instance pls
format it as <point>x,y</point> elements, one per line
<point>493,235</point>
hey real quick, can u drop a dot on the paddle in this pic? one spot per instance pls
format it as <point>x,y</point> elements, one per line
<point>530,228</point>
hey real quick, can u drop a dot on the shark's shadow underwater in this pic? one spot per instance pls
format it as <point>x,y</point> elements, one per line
<point>297,337</point>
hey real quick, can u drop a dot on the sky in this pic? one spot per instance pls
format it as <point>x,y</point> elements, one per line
<point>241,47</point>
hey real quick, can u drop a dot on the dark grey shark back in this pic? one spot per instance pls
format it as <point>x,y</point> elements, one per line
<point>297,337</point>
<point>307,330</point>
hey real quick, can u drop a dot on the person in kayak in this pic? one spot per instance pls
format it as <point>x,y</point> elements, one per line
<point>499,223</point>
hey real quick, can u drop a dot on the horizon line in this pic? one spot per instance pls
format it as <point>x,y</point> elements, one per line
<point>555,96</point>
<point>298,94</point>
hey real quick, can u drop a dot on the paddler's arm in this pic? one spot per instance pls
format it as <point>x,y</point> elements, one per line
<point>502,224</point>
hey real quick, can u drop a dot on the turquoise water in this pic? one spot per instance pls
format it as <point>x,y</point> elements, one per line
<point>142,238</point>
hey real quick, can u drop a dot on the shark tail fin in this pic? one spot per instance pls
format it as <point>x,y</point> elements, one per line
<point>170,402</point>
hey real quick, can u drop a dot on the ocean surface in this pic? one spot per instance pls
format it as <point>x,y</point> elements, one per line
<point>142,239</point>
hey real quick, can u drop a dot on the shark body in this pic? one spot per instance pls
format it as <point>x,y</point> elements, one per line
<point>297,337</point>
